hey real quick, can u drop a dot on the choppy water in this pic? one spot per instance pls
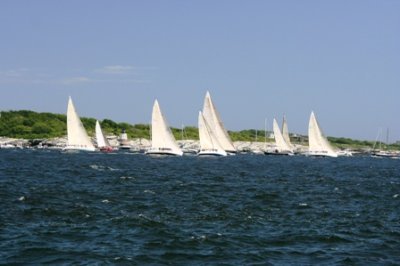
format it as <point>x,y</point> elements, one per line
<point>247,209</point>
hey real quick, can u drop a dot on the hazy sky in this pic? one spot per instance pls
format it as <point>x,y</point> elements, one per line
<point>259,59</point>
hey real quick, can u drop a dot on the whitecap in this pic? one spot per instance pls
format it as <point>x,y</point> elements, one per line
<point>395,195</point>
<point>105,201</point>
<point>127,177</point>
<point>21,198</point>
<point>149,191</point>
<point>94,166</point>
<point>303,204</point>
<point>141,215</point>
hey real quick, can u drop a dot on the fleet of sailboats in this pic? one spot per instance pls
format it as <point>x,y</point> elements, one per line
<point>214,140</point>
<point>162,140</point>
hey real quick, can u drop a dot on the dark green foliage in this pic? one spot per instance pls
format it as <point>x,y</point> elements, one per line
<point>31,125</point>
<point>185,133</point>
<point>249,135</point>
<point>346,142</point>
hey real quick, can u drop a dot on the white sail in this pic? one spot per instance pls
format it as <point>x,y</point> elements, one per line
<point>162,140</point>
<point>78,139</point>
<point>318,143</point>
<point>101,140</point>
<point>281,144</point>
<point>209,144</point>
<point>214,121</point>
<point>285,133</point>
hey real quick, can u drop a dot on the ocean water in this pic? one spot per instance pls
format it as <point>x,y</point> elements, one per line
<point>92,208</point>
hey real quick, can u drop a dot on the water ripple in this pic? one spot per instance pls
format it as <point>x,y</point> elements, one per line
<point>77,209</point>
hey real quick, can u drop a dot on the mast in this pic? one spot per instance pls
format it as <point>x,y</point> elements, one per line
<point>387,136</point>
<point>265,133</point>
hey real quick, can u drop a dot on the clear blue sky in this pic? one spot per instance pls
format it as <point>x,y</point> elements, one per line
<point>259,59</point>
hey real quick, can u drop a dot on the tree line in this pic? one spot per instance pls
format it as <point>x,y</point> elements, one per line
<point>27,124</point>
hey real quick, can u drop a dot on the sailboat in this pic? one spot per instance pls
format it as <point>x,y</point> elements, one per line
<point>285,133</point>
<point>162,140</point>
<point>78,139</point>
<point>214,121</point>
<point>383,152</point>
<point>281,146</point>
<point>318,143</point>
<point>209,144</point>
<point>102,142</point>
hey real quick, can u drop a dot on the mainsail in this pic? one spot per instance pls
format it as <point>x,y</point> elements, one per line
<point>101,140</point>
<point>208,142</point>
<point>162,140</point>
<point>318,144</point>
<point>285,133</point>
<point>78,139</point>
<point>281,144</point>
<point>214,121</point>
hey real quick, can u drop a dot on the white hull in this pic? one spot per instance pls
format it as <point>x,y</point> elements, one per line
<point>163,151</point>
<point>212,152</point>
<point>78,148</point>
<point>386,154</point>
<point>279,153</point>
<point>321,154</point>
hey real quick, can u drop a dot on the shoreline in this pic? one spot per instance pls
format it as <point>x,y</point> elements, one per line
<point>140,144</point>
